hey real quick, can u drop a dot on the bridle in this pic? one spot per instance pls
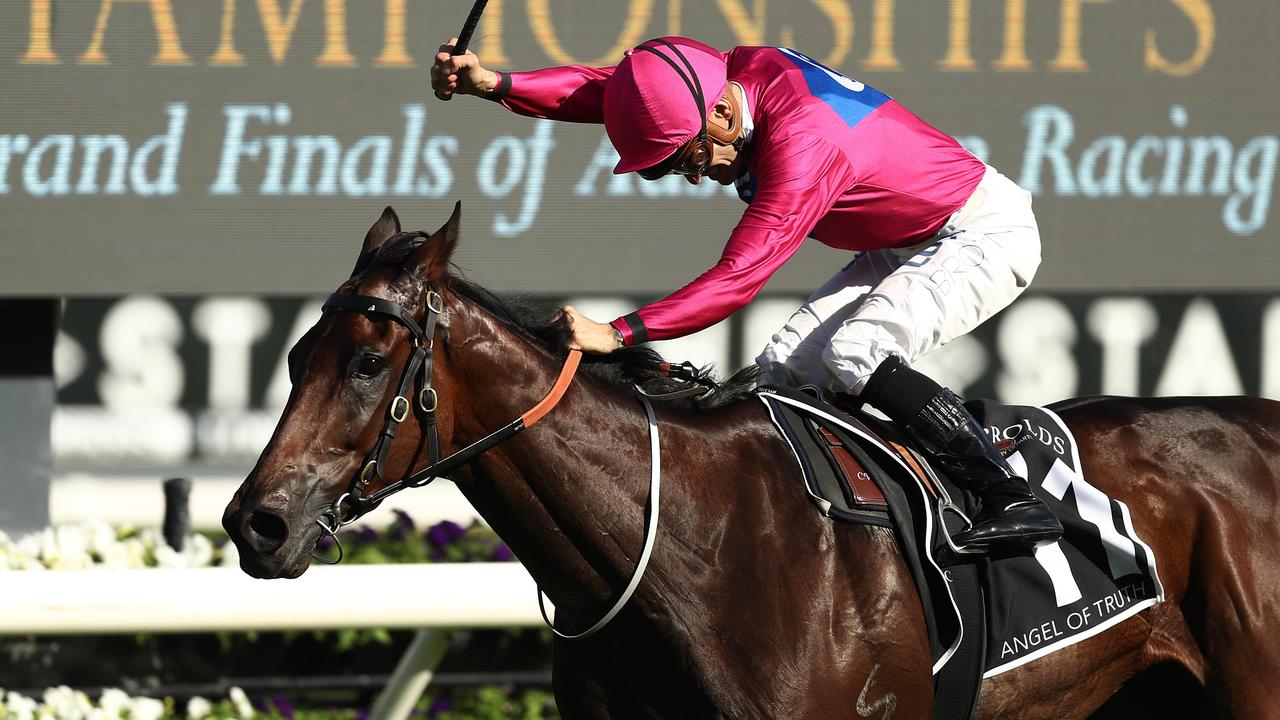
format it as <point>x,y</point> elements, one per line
<point>354,503</point>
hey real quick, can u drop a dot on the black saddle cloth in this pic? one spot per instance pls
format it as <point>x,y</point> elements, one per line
<point>1010,609</point>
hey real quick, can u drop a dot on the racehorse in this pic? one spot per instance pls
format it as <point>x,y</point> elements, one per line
<point>753,605</point>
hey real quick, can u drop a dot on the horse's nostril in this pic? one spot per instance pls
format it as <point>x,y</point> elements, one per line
<point>270,529</point>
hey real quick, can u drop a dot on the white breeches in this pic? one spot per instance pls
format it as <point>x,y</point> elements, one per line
<point>909,301</point>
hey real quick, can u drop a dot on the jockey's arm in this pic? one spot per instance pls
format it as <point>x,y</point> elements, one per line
<point>799,182</point>
<point>572,93</point>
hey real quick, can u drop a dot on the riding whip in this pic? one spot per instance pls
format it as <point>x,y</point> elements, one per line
<point>464,37</point>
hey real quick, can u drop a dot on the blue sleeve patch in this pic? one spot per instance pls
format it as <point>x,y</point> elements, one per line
<point>853,101</point>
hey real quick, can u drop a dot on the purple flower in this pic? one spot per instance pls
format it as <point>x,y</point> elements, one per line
<point>444,533</point>
<point>502,553</point>
<point>366,534</point>
<point>440,706</point>
<point>283,705</point>
<point>402,518</point>
<point>325,542</point>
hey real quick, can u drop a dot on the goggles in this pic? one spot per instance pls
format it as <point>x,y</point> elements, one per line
<point>692,159</point>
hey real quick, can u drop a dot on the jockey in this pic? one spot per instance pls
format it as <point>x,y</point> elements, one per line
<point>941,241</point>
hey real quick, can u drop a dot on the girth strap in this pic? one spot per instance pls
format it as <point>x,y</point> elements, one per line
<point>650,536</point>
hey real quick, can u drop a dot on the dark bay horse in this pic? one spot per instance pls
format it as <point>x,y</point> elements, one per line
<point>754,605</point>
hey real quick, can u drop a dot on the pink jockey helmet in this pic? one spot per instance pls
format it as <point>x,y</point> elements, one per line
<point>651,103</point>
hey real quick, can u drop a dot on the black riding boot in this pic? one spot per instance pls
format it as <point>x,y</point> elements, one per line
<point>1008,514</point>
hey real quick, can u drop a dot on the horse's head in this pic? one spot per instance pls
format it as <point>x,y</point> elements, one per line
<point>350,372</point>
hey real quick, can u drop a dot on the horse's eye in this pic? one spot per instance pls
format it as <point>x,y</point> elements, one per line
<point>369,366</point>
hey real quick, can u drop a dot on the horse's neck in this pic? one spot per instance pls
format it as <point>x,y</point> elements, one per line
<point>569,497</point>
<point>568,494</point>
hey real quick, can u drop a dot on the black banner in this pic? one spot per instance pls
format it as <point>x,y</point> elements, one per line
<point>158,379</point>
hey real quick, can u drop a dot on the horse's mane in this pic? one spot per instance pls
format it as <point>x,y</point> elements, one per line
<point>549,329</point>
<point>622,368</point>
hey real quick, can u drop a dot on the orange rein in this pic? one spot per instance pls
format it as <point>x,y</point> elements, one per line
<point>557,391</point>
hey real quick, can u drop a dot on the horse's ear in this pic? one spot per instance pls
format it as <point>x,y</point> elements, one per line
<point>385,228</point>
<point>431,260</point>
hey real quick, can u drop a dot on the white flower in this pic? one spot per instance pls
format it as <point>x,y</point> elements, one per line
<point>49,548</point>
<point>144,708</point>
<point>167,557</point>
<point>20,707</point>
<point>83,703</point>
<point>29,545</point>
<point>135,555</point>
<point>96,543</point>
<point>196,552</point>
<point>29,563</point>
<point>199,551</point>
<point>65,703</point>
<point>73,545</point>
<point>241,702</point>
<point>114,700</point>
<point>230,555</point>
<point>115,556</point>
<point>101,537</point>
<point>198,708</point>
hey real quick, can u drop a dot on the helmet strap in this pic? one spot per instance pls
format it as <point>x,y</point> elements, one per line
<point>689,76</point>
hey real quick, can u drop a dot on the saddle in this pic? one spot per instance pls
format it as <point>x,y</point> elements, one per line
<point>986,614</point>
<point>858,468</point>
<point>843,488</point>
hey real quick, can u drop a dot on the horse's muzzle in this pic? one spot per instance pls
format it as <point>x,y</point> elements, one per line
<point>265,540</point>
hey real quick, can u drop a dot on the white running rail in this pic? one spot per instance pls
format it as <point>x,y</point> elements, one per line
<point>436,595</point>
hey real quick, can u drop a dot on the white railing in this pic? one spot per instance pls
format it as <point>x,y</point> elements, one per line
<point>211,599</point>
<point>431,598</point>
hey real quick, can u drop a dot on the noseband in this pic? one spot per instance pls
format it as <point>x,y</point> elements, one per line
<point>352,504</point>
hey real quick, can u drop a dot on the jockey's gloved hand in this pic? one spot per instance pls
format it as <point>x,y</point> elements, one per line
<point>452,74</point>
<point>591,336</point>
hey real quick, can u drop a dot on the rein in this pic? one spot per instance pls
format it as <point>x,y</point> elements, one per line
<point>353,504</point>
